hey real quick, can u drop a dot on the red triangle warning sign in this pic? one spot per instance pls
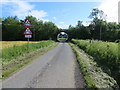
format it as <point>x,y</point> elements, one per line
<point>27,32</point>
<point>27,23</point>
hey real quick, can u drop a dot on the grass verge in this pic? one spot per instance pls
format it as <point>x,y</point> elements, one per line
<point>106,54</point>
<point>15,65</point>
<point>89,81</point>
<point>94,76</point>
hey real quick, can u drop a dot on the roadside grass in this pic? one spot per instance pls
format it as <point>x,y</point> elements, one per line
<point>62,39</point>
<point>94,76</point>
<point>11,53</point>
<point>12,70</point>
<point>106,54</point>
<point>89,81</point>
<point>6,44</point>
<point>16,58</point>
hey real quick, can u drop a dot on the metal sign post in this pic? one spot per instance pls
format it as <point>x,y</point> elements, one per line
<point>28,38</point>
<point>28,43</point>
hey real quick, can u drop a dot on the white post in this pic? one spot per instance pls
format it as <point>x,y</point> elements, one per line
<point>28,42</point>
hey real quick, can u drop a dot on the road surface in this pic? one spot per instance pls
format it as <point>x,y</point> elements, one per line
<point>58,68</point>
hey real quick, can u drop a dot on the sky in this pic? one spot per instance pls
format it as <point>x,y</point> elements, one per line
<point>63,12</point>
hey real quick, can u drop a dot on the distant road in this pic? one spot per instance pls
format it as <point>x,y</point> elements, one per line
<point>56,69</point>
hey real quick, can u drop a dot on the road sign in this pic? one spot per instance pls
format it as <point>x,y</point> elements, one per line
<point>27,23</point>
<point>28,32</point>
<point>28,36</point>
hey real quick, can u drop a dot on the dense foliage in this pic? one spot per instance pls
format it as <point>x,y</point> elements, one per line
<point>12,29</point>
<point>98,28</point>
<point>106,54</point>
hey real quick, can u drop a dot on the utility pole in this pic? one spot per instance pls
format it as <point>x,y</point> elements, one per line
<point>100,31</point>
<point>102,18</point>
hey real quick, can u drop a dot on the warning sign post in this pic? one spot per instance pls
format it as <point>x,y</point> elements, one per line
<point>27,23</point>
<point>28,36</point>
<point>27,32</point>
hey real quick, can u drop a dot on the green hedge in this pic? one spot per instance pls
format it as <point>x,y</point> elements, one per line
<point>106,54</point>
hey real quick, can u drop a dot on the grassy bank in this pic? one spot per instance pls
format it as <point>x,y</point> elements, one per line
<point>11,53</point>
<point>106,54</point>
<point>17,56</point>
<point>61,39</point>
<point>6,44</point>
<point>94,76</point>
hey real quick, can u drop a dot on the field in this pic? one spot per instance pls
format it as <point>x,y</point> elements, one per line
<point>13,50</point>
<point>106,54</point>
<point>6,44</point>
<point>19,53</point>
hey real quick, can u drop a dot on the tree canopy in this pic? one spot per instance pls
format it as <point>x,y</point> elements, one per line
<point>99,28</point>
<point>13,29</point>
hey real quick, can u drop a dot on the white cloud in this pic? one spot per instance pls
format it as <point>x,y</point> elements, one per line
<point>61,22</point>
<point>44,20</point>
<point>23,9</point>
<point>65,26</point>
<point>86,23</point>
<point>110,7</point>
<point>38,14</point>
<point>54,18</point>
<point>59,26</point>
<point>57,0</point>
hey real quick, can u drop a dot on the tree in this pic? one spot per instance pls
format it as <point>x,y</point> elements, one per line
<point>70,26</point>
<point>97,14</point>
<point>51,30</point>
<point>79,24</point>
<point>98,17</point>
<point>79,32</point>
<point>13,29</point>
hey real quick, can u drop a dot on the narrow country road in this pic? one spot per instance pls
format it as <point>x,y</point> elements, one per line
<point>56,69</point>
